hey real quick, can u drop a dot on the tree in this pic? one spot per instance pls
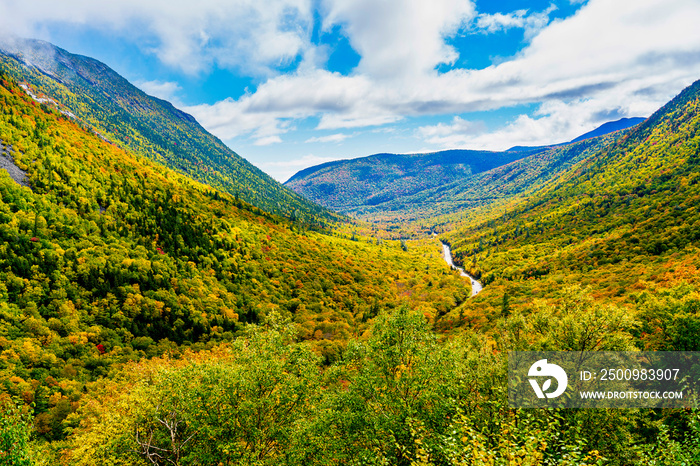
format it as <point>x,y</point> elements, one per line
<point>398,383</point>
<point>240,404</point>
<point>15,431</point>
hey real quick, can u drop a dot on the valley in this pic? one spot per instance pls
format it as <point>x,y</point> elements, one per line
<point>163,301</point>
<point>414,187</point>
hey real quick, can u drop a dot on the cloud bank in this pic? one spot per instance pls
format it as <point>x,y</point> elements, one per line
<point>250,36</point>
<point>611,58</point>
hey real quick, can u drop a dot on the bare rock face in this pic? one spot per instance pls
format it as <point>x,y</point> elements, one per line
<point>7,163</point>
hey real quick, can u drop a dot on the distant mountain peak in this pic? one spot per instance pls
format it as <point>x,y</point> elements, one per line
<point>609,127</point>
<point>398,182</point>
<point>605,128</point>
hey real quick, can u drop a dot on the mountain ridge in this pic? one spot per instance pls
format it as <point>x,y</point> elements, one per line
<point>382,185</point>
<point>127,116</point>
<point>405,173</point>
<point>623,220</point>
<point>609,127</point>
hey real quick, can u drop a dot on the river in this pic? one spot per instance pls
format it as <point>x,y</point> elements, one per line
<point>476,286</point>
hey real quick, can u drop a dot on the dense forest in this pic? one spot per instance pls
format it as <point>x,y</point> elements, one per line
<point>107,257</point>
<point>118,111</point>
<point>623,221</point>
<point>148,318</point>
<point>401,188</point>
<point>355,185</point>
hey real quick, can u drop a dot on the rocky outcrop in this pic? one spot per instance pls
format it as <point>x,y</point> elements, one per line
<point>7,163</point>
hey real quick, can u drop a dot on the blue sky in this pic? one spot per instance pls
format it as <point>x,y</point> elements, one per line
<point>292,83</point>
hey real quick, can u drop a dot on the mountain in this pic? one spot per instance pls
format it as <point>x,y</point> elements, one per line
<point>408,186</point>
<point>623,221</point>
<point>609,127</point>
<point>108,104</point>
<point>496,187</point>
<point>148,318</point>
<point>346,185</point>
<point>108,257</point>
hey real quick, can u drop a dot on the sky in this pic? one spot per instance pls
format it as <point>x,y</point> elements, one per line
<point>289,84</point>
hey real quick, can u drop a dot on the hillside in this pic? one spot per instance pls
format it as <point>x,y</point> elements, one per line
<point>623,221</point>
<point>399,187</point>
<point>610,127</point>
<point>348,185</point>
<point>503,185</point>
<point>121,113</point>
<point>147,318</point>
<point>107,257</point>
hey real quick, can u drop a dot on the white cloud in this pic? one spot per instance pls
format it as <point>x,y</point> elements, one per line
<point>306,161</point>
<point>269,111</point>
<point>397,38</point>
<point>283,170</point>
<point>606,62</point>
<point>337,137</point>
<point>554,121</point>
<point>358,118</point>
<point>622,57</point>
<point>531,23</point>
<point>452,135</point>
<point>458,126</point>
<point>267,140</point>
<point>251,36</point>
<point>499,21</point>
<point>166,90</point>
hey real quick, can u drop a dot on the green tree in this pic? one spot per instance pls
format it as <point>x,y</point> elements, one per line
<point>395,394</point>
<point>240,405</point>
<point>15,432</point>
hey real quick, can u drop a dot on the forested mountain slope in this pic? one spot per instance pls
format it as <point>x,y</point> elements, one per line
<point>400,187</point>
<point>107,257</point>
<point>503,185</point>
<point>125,287</point>
<point>122,113</point>
<point>349,185</point>
<point>624,220</point>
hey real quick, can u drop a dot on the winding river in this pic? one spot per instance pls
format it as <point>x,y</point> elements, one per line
<point>476,286</point>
